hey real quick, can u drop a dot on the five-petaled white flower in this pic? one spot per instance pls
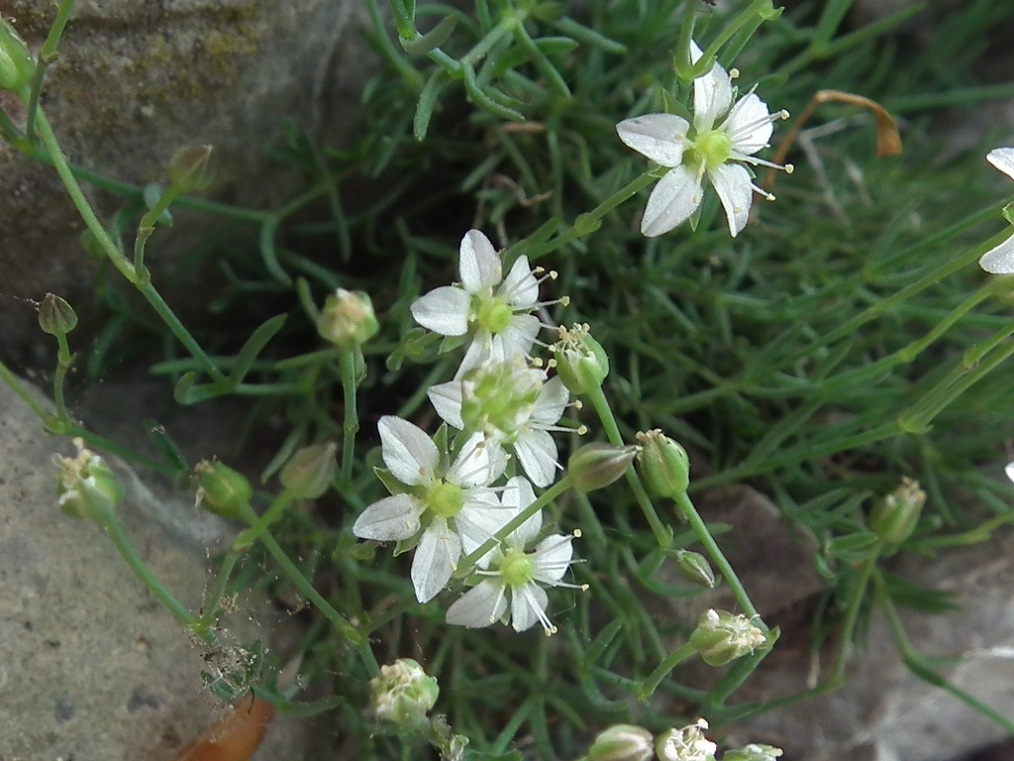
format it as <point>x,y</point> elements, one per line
<point>721,135</point>
<point>511,570</point>
<point>446,502</point>
<point>514,406</point>
<point>495,310</point>
<point>1000,260</point>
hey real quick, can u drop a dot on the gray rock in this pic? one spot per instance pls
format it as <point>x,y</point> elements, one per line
<point>92,667</point>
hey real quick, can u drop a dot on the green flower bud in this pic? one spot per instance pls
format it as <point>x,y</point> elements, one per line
<point>686,744</point>
<point>597,465</point>
<point>403,694</point>
<point>222,490</point>
<point>622,742</point>
<point>896,515</point>
<point>347,319</point>
<point>721,637</point>
<point>56,316</point>
<point>87,488</point>
<point>753,752</point>
<point>190,168</point>
<point>581,362</point>
<point>695,568</point>
<point>664,464</point>
<point>309,471</point>
<point>16,66</point>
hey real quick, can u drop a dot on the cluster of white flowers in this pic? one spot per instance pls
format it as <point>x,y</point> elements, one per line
<point>445,499</point>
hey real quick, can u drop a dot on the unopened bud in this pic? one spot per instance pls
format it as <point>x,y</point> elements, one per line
<point>190,168</point>
<point>664,464</point>
<point>309,471</point>
<point>581,362</point>
<point>87,488</point>
<point>597,465</point>
<point>56,316</point>
<point>753,752</point>
<point>686,744</point>
<point>695,568</point>
<point>894,518</point>
<point>223,490</point>
<point>403,693</point>
<point>721,637</point>
<point>622,742</point>
<point>347,319</point>
<point>16,66</point>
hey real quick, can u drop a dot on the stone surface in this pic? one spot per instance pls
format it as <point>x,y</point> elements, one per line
<point>92,667</point>
<point>135,82</point>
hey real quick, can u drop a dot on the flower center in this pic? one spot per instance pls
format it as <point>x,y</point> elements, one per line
<point>494,315</point>
<point>714,148</point>
<point>500,398</point>
<point>517,568</point>
<point>444,499</point>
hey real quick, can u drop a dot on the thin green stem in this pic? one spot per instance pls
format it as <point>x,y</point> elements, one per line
<point>654,679</point>
<point>47,55</point>
<point>211,605</point>
<point>261,523</point>
<point>724,567</point>
<point>64,361</point>
<point>15,384</point>
<point>350,426</point>
<point>146,226</point>
<point>848,628</point>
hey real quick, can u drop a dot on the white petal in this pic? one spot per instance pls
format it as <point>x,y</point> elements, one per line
<point>479,606</point>
<point>712,97</point>
<point>435,559</point>
<point>674,199</point>
<point>478,262</point>
<point>749,127</point>
<point>1002,159</point>
<point>551,402</point>
<point>477,522</point>
<point>536,452</point>
<point>409,453</point>
<point>518,338</point>
<point>520,288</point>
<point>391,519</point>
<point>479,351</point>
<point>446,400</point>
<point>528,606</point>
<point>736,193</point>
<point>999,260</point>
<point>443,310</point>
<point>479,463</point>
<point>1009,470</point>
<point>660,137</point>
<point>552,558</point>
<point>516,497</point>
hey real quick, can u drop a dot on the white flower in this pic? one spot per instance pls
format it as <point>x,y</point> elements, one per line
<point>1000,260</point>
<point>686,744</point>
<point>495,310</point>
<point>1009,470</point>
<point>514,572</point>
<point>446,503</point>
<point>514,406</point>
<point>722,134</point>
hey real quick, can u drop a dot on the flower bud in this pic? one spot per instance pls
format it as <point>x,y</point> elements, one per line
<point>347,319</point>
<point>87,488</point>
<point>222,490</point>
<point>695,568</point>
<point>686,744</point>
<point>16,66</point>
<point>721,637</point>
<point>56,316</point>
<point>753,752</point>
<point>309,471</point>
<point>664,464</point>
<point>581,362</point>
<point>597,465</point>
<point>190,168</point>
<point>403,693</point>
<point>622,742</point>
<point>895,516</point>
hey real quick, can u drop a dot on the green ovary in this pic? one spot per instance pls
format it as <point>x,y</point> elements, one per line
<point>713,148</point>
<point>516,568</point>
<point>445,500</point>
<point>494,315</point>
